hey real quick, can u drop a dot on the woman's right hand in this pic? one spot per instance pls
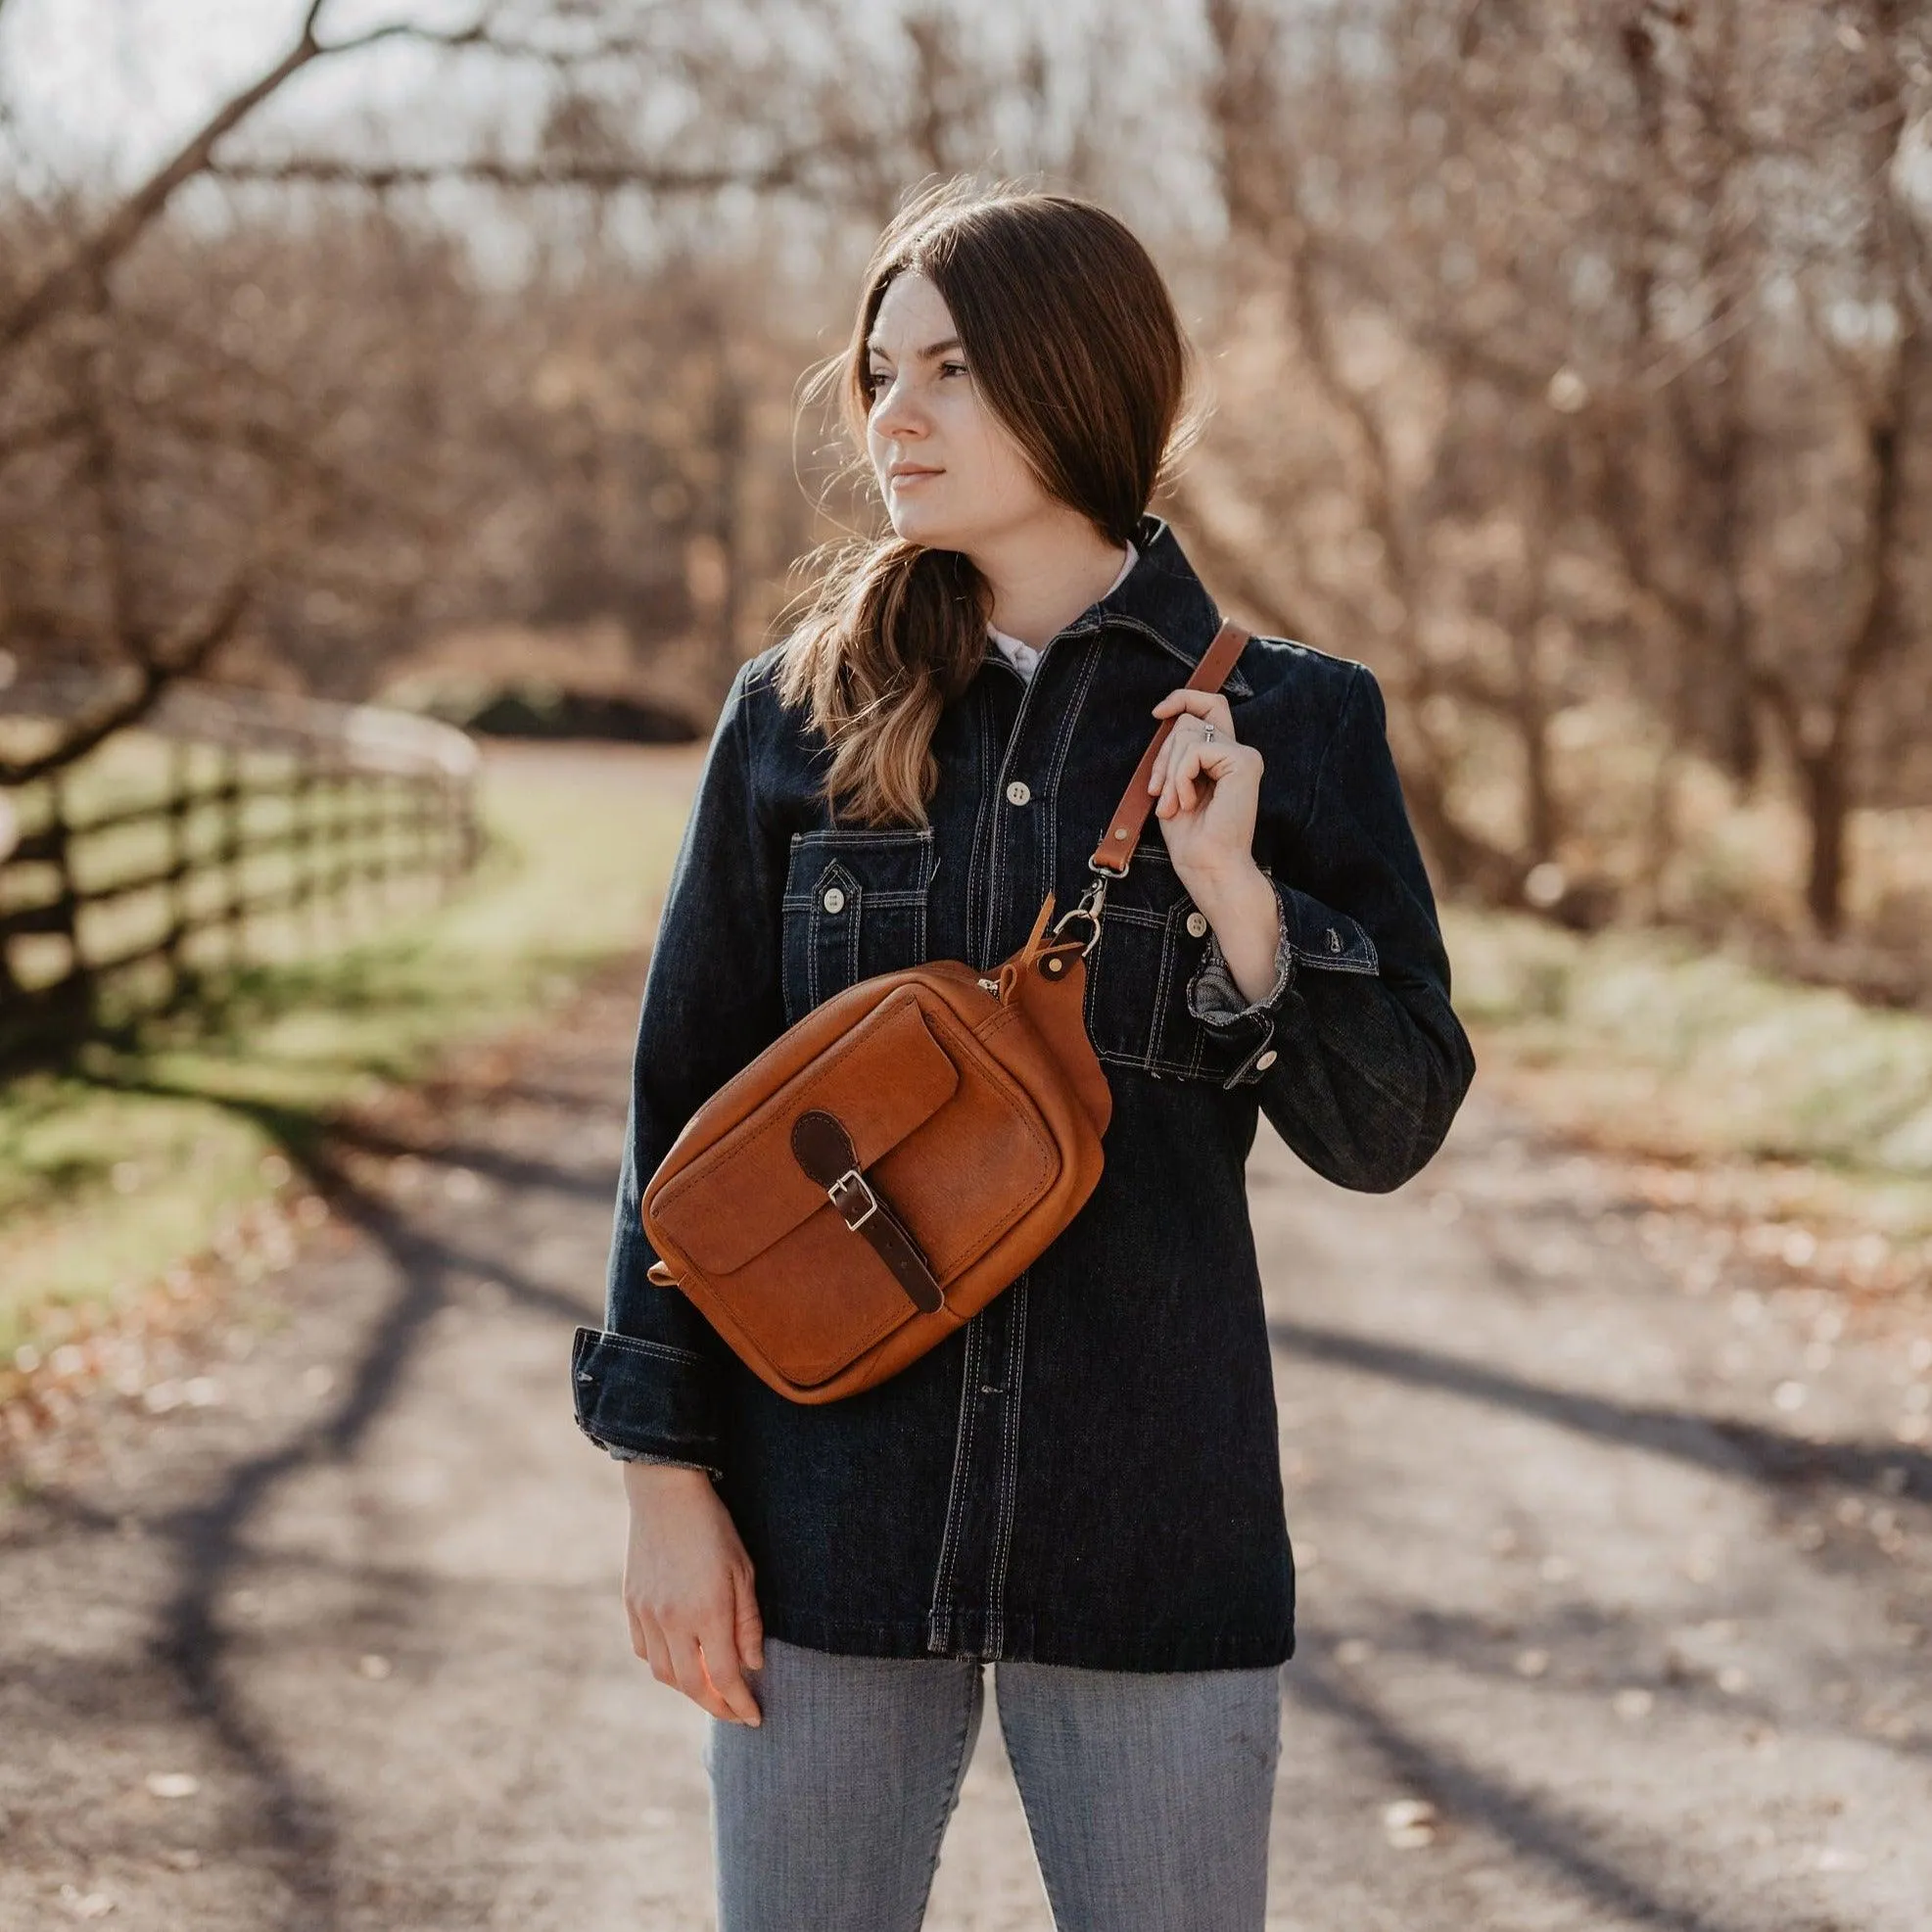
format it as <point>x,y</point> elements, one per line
<point>688,1589</point>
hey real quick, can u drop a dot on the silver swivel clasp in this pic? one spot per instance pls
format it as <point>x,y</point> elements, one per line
<point>1088,907</point>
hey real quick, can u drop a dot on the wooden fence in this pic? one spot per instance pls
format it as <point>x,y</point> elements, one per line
<point>232,829</point>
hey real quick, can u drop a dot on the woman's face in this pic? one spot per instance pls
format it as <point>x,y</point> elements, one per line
<point>952,476</point>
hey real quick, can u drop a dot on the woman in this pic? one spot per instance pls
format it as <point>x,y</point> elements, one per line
<point>1082,1484</point>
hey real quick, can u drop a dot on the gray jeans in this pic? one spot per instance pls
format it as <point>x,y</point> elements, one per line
<point>1146,1793</point>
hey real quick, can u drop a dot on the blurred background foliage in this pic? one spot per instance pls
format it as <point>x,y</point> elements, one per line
<point>1570,367</point>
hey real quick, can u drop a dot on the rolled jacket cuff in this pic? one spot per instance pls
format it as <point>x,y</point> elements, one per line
<point>1215,999</point>
<point>1311,935</point>
<point>647,1401</point>
<point>621,1454</point>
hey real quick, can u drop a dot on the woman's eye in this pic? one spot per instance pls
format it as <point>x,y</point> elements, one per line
<point>874,379</point>
<point>952,368</point>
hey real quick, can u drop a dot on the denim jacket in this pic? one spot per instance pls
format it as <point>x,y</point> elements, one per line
<point>1088,1471</point>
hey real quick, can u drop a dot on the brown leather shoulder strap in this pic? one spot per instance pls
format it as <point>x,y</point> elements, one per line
<point>1117,843</point>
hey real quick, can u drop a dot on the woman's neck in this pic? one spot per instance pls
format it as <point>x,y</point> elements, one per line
<point>1043,579</point>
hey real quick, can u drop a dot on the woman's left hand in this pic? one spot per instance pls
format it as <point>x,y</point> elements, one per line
<point>1209,789</point>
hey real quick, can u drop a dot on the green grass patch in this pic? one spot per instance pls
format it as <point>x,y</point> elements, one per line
<point>1648,1041</point>
<point>114,1171</point>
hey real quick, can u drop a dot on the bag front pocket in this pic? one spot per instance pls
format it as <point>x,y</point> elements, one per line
<point>940,1130</point>
<point>854,906</point>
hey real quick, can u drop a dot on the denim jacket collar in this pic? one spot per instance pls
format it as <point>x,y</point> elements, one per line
<point>1160,599</point>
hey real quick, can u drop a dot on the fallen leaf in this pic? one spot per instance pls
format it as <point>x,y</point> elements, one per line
<point>1409,1823</point>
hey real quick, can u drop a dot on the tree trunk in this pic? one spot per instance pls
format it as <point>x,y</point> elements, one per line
<point>1828,805</point>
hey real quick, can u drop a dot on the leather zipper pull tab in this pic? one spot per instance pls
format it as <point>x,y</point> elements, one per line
<point>1037,941</point>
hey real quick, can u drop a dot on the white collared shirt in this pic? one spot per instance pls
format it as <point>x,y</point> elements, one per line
<point>1023,657</point>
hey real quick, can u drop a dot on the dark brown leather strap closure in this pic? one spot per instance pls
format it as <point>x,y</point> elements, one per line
<point>825,1151</point>
<point>1117,841</point>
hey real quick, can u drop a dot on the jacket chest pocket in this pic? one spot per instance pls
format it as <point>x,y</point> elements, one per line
<point>855,904</point>
<point>1153,940</point>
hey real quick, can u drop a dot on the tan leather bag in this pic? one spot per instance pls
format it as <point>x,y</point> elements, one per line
<point>892,1161</point>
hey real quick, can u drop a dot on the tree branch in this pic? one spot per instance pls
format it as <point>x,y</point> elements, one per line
<point>131,220</point>
<point>602,176</point>
<point>181,657</point>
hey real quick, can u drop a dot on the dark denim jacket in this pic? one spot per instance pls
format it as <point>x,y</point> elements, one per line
<point>1087,1472</point>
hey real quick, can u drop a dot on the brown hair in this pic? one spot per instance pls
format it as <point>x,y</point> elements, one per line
<point>1075,347</point>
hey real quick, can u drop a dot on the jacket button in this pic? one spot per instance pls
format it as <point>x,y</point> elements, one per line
<point>834,899</point>
<point>1197,925</point>
<point>1263,1061</point>
<point>1018,792</point>
<point>1333,940</point>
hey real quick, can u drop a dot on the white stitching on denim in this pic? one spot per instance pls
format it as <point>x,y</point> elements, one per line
<point>857,895</point>
<point>1063,748</point>
<point>996,1613</point>
<point>1196,1032</point>
<point>811,956</point>
<point>834,837</point>
<point>976,859</point>
<point>1233,683</point>
<point>929,865</point>
<point>1158,1021</point>
<point>798,902</point>
<point>611,1335</point>
<point>999,787</point>
<point>942,1582</point>
<point>1138,1064</point>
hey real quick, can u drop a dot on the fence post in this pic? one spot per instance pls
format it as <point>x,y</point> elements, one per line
<point>234,918</point>
<point>180,802</point>
<point>421,833</point>
<point>77,997</point>
<point>302,853</point>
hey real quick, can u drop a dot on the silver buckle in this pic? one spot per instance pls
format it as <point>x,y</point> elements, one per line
<point>853,1176</point>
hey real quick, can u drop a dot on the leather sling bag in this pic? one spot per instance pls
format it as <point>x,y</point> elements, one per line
<point>875,1177</point>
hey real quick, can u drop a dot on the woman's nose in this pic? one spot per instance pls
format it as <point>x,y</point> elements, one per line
<point>895,413</point>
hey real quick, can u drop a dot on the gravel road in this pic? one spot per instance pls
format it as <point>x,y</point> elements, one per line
<point>1600,1629</point>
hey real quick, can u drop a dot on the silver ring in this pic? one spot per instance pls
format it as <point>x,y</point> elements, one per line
<point>1207,735</point>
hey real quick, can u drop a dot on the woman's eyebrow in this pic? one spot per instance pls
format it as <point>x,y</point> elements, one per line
<point>924,354</point>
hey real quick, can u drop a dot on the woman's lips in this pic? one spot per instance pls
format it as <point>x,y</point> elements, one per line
<point>905,479</point>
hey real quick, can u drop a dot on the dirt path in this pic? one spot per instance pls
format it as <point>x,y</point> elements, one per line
<point>1653,1646</point>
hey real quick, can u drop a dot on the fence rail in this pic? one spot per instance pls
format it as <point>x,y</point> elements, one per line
<point>251,828</point>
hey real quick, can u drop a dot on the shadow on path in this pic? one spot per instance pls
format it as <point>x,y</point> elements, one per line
<point>1728,1445</point>
<point>207,1540</point>
<point>1536,1831</point>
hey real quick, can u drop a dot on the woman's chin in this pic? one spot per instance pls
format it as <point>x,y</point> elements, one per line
<point>914,523</point>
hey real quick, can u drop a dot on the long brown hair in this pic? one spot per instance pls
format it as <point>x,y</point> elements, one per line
<point>1074,345</point>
